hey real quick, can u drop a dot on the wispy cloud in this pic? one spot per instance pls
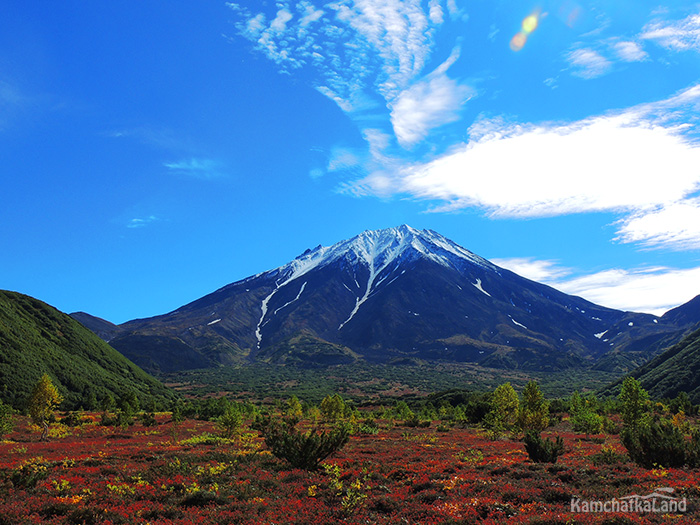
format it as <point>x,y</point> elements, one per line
<point>159,137</point>
<point>629,51</point>
<point>675,226</point>
<point>588,63</point>
<point>140,222</point>
<point>365,55</point>
<point>640,162</point>
<point>680,35</point>
<point>651,290</point>
<point>200,168</point>
<point>428,104</point>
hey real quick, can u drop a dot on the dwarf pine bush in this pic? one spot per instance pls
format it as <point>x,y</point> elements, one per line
<point>543,450</point>
<point>661,444</point>
<point>305,450</point>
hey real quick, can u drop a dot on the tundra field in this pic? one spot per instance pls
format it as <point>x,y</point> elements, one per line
<point>165,471</point>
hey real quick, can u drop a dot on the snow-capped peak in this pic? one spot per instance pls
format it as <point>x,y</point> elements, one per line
<point>379,248</point>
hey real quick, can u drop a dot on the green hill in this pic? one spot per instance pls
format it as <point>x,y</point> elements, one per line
<point>674,371</point>
<point>35,338</point>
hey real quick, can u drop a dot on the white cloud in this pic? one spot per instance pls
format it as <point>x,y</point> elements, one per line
<point>629,51</point>
<point>603,163</point>
<point>196,167</point>
<point>534,269</point>
<point>141,222</point>
<point>10,95</point>
<point>650,290</point>
<point>682,35</point>
<point>675,226</point>
<point>588,63</point>
<point>309,13</point>
<point>279,24</point>
<point>428,104</point>
<point>435,12</point>
<point>635,162</point>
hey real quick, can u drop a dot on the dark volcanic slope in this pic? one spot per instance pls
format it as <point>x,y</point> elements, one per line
<point>675,370</point>
<point>35,338</point>
<point>382,295</point>
<point>104,329</point>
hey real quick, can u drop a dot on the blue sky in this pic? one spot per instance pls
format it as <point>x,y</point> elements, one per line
<point>152,152</point>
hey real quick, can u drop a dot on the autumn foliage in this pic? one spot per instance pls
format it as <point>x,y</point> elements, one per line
<point>192,466</point>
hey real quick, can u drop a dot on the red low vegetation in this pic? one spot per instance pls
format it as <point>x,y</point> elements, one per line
<point>185,474</point>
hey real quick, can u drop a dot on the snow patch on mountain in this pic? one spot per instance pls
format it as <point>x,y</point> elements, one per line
<point>518,324</point>
<point>478,286</point>
<point>293,300</point>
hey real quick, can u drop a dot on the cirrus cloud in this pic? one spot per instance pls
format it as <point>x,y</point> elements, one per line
<point>200,168</point>
<point>365,54</point>
<point>681,35</point>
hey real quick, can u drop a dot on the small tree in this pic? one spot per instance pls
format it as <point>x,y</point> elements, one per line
<point>294,408</point>
<point>403,411</point>
<point>634,405</point>
<point>230,422</point>
<point>504,410</point>
<point>534,409</point>
<point>584,417</point>
<point>333,407</point>
<point>44,400</point>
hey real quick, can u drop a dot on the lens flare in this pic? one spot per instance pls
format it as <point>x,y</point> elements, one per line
<point>518,41</point>
<point>529,24</point>
<point>570,12</point>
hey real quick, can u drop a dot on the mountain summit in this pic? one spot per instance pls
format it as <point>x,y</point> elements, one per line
<point>379,254</point>
<point>386,295</point>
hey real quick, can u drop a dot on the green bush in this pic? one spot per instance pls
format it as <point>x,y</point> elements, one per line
<point>6,423</point>
<point>148,419</point>
<point>585,420</point>
<point>543,450</point>
<point>73,419</point>
<point>661,444</point>
<point>125,418</point>
<point>415,422</point>
<point>369,426</point>
<point>303,450</point>
<point>608,456</point>
<point>230,422</point>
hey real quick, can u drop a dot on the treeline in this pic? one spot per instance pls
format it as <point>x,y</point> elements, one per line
<point>655,433</point>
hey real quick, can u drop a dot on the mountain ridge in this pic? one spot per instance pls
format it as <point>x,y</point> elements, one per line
<point>36,338</point>
<point>387,294</point>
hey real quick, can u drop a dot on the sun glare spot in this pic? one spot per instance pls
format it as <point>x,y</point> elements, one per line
<point>528,25</point>
<point>518,41</point>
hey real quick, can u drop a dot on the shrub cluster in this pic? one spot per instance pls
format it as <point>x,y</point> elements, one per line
<point>661,444</point>
<point>543,450</point>
<point>304,450</point>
